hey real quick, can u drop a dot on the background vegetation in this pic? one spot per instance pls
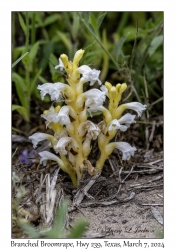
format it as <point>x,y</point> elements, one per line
<point>125,46</point>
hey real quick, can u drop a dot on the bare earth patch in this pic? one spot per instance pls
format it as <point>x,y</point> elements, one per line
<point>125,201</point>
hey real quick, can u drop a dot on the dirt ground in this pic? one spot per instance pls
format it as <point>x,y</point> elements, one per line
<point>131,219</point>
<point>128,204</point>
<point>125,201</point>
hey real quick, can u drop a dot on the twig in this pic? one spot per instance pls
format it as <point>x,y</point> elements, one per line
<point>112,166</point>
<point>119,174</point>
<point>157,215</point>
<point>152,131</point>
<point>145,187</point>
<point>128,175</point>
<point>107,203</point>
<point>152,204</point>
<point>143,171</point>
<point>156,179</point>
<point>79,196</point>
<point>153,162</point>
<point>121,182</point>
<point>153,103</point>
<point>135,92</point>
<point>160,196</point>
<point>147,96</point>
<point>147,136</point>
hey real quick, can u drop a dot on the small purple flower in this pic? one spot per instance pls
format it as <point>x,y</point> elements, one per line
<point>31,156</point>
<point>28,157</point>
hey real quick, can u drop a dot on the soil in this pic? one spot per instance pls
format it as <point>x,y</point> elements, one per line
<point>118,205</point>
<point>129,219</point>
<point>125,201</point>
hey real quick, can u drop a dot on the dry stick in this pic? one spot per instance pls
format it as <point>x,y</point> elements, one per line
<point>151,167</point>
<point>157,215</point>
<point>147,137</point>
<point>119,174</point>
<point>79,196</point>
<point>128,174</point>
<point>135,92</point>
<point>142,171</point>
<point>127,97</point>
<point>112,166</point>
<point>98,192</point>
<point>152,204</point>
<point>153,103</point>
<point>145,187</point>
<point>107,203</point>
<point>121,182</point>
<point>153,162</point>
<point>160,196</point>
<point>152,131</point>
<point>139,184</point>
<point>147,95</point>
<point>156,179</point>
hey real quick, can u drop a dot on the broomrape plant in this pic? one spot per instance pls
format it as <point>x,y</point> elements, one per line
<point>73,132</point>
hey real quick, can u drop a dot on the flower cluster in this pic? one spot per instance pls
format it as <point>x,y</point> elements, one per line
<point>73,131</point>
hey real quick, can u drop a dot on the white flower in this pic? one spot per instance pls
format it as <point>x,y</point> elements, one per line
<point>136,106</point>
<point>125,147</point>
<point>127,119</point>
<point>60,65</point>
<point>89,74</point>
<point>94,97</point>
<point>45,156</point>
<point>91,97</point>
<point>53,89</point>
<point>49,116</point>
<point>63,116</point>
<point>89,129</point>
<point>104,89</point>
<point>95,108</point>
<point>37,137</point>
<point>57,137</point>
<point>65,144</point>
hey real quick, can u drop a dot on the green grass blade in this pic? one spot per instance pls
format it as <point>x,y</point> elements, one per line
<point>21,110</point>
<point>19,59</point>
<point>21,90</point>
<point>100,19</point>
<point>14,152</point>
<point>30,230</point>
<point>64,39</point>
<point>32,85</point>
<point>60,220</point>
<point>79,228</point>
<point>51,19</point>
<point>118,47</point>
<point>22,23</point>
<point>91,30</point>
<point>33,51</point>
<point>156,42</point>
